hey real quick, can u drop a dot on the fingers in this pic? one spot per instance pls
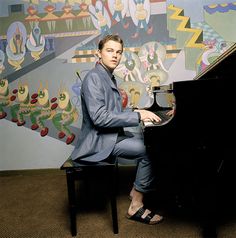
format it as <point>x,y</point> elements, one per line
<point>154,118</point>
<point>148,116</point>
<point>170,113</point>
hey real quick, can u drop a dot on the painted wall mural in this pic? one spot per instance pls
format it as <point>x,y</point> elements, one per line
<point>46,48</point>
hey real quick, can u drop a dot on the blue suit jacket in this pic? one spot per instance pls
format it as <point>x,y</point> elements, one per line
<point>103,116</point>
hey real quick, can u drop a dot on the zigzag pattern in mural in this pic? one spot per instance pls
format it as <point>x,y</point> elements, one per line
<point>187,38</point>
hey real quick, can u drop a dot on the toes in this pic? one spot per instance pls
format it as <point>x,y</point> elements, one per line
<point>157,218</point>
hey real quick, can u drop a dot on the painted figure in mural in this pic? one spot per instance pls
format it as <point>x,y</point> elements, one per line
<point>84,13</point>
<point>45,110</point>
<point>16,42</point>
<point>155,77</point>
<point>16,39</point>
<point>152,55</point>
<point>50,17</point>
<point>5,97</point>
<point>68,16</point>
<point>102,134</point>
<point>119,8</point>
<point>140,14</point>
<point>129,67</point>
<point>64,118</point>
<point>36,42</point>
<point>129,70</point>
<point>100,18</point>
<point>24,107</point>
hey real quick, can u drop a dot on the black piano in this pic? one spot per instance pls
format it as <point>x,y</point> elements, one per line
<point>194,151</point>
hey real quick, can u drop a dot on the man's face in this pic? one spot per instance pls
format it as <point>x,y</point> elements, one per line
<point>110,55</point>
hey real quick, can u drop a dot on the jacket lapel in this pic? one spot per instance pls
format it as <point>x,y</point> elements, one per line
<point>107,76</point>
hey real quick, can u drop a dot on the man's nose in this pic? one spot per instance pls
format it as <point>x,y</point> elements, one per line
<point>114,54</point>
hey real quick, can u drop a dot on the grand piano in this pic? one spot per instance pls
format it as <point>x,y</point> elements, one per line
<point>194,150</point>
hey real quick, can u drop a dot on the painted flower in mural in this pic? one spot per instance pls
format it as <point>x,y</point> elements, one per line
<point>16,39</point>
<point>36,42</point>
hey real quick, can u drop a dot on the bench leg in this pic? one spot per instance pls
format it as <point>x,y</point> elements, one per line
<point>113,190</point>
<point>72,200</point>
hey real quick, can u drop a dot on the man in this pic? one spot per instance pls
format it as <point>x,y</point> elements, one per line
<point>102,133</point>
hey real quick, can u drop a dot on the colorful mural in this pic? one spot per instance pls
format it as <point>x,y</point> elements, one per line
<point>46,48</point>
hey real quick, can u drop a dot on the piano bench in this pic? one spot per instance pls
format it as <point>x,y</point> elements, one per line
<point>84,171</point>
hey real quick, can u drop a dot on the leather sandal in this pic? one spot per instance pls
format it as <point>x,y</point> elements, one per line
<point>147,219</point>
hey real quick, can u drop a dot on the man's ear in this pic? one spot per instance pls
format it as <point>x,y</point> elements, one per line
<point>99,54</point>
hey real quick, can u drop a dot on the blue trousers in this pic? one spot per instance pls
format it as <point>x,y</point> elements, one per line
<point>132,147</point>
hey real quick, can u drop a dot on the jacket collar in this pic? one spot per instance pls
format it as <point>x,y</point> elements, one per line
<point>106,74</point>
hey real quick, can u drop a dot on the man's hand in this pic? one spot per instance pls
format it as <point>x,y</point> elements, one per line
<point>148,115</point>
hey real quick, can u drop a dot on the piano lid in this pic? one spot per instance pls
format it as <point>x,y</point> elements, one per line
<point>223,56</point>
<point>186,94</point>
